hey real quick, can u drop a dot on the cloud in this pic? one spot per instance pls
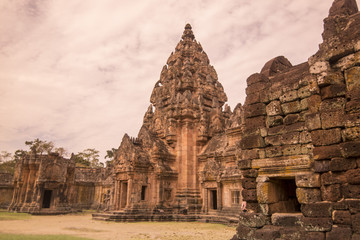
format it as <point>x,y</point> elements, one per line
<point>80,73</point>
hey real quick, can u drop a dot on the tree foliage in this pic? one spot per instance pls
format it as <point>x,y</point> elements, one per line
<point>88,158</point>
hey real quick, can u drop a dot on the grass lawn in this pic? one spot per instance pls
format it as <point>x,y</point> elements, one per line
<point>13,216</point>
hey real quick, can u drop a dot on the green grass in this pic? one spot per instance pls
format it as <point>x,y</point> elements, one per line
<point>13,216</point>
<point>5,236</point>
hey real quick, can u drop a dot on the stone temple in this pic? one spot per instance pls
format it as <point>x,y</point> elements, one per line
<point>285,165</point>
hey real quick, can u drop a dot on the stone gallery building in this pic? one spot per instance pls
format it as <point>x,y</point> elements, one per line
<point>285,165</point>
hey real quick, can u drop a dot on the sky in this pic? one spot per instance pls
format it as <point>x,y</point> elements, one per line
<point>80,73</point>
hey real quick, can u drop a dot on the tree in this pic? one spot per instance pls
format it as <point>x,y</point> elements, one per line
<point>88,158</point>
<point>7,163</point>
<point>39,146</point>
<point>61,151</point>
<point>111,155</point>
<point>5,156</point>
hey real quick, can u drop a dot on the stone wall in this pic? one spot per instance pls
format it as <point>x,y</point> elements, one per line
<point>301,140</point>
<point>6,189</point>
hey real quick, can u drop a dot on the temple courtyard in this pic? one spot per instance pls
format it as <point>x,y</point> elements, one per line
<point>82,226</point>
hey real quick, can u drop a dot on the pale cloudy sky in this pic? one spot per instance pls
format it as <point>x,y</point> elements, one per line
<point>80,72</point>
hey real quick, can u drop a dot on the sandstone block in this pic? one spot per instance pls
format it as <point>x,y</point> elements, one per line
<point>254,123</point>
<point>355,236</point>
<point>249,195</point>
<point>352,106</point>
<point>332,91</point>
<point>352,77</point>
<point>317,224</point>
<point>305,137</point>
<point>352,120</point>
<point>276,130</point>
<point>319,67</point>
<point>291,119</point>
<point>290,138</point>
<point>256,78</point>
<point>252,141</point>
<point>332,119</point>
<point>320,209</point>
<point>304,104</point>
<point>291,107</point>
<point>308,195</point>
<point>341,217</point>
<point>273,140</point>
<point>310,180</point>
<point>351,134</point>
<point>333,104</point>
<point>252,98</point>
<point>353,176</point>
<point>250,173</point>
<point>327,152</point>
<point>295,127</point>
<point>314,103</point>
<point>341,164</point>
<point>354,205</point>
<point>287,219</point>
<point>248,183</point>
<point>274,108</point>
<point>315,236</point>
<point>289,150</point>
<point>254,110</point>
<point>344,232</point>
<point>253,220</point>
<point>256,87</point>
<point>312,121</point>
<point>330,178</point>
<point>250,154</point>
<point>244,164</point>
<point>350,149</point>
<point>274,93</point>
<point>326,137</point>
<point>273,121</point>
<point>304,92</point>
<point>274,151</point>
<point>355,220</point>
<point>244,232</point>
<point>267,233</point>
<point>350,191</point>
<point>331,193</point>
<point>289,96</point>
<point>321,166</point>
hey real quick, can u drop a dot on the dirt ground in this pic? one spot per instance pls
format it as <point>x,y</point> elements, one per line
<point>84,226</point>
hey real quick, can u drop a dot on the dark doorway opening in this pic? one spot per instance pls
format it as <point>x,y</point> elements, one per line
<point>123,197</point>
<point>284,196</point>
<point>143,193</point>
<point>47,199</point>
<point>213,199</point>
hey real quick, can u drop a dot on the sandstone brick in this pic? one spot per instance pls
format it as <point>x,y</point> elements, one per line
<point>344,232</point>
<point>253,220</point>
<point>354,205</point>
<point>355,220</point>
<point>249,195</point>
<point>254,123</point>
<point>352,120</point>
<point>267,233</point>
<point>353,176</point>
<point>254,110</point>
<point>330,178</point>
<point>273,140</point>
<point>252,141</point>
<point>332,119</point>
<point>353,106</point>
<point>291,119</point>
<point>308,195</point>
<point>304,105</point>
<point>315,236</point>
<point>314,103</point>
<point>248,183</point>
<point>352,77</point>
<point>250,154</point>
<point>326,137</point>
<point>293,233</point>
<point>341,217</point>
<point>313,121</point>
<point>290,138</point>
<point>331,193</point>
<point>319,67</point>
<point>289,150</point>
<point>307,149</point>
<point>256,87</point>
<point>317,224</point>
<point>305,137</point>
<point>289,96</point>
<point>256,78</point>
<point>332,91</point>
<point>355,236</point>
<point>350,191</point>
<point>287,219</point>
<point>244,164</point>
<point>295,127</point>
<point>351,134</point>
<point>274,151</point>
<point>310,180</point>
<point>319,209</point>
<point>304,92</point>
<point>244,232</point>
<point>250,173</point>
<point>327,152</point>
<point>252,98</point>
<point>341,164</point>
<point>350,149</point>
<point>333,104</point>
<point>274,93</point>
<point>274,108</point>
<point>276,130</point>
<point>273,121</point>
<point>291,107</point>
<point>321,166</point>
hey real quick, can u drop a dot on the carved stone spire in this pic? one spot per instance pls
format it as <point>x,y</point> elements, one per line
<point>188,34</point>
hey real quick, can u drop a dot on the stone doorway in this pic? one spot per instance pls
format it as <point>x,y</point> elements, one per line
<point>213,199</point>
<point>47,199</point>
<point>123,194</point>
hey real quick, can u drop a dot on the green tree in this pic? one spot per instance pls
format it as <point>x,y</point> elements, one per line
<point>88,158</point>
<point>5,156</point>
<point>7,162</point>
<point>39,146</point>
<point>111,155</point>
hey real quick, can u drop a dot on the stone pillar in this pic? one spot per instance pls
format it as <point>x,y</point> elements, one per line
<point>219,196</point>
<point>129,193</point>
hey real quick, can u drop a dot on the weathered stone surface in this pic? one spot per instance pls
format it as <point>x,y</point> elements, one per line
<point>289,96</point>
<point>291,107</point>
<point>314,102</point>
<point>321,166</point>
<point>308,180</point>
<point>319,209</point>
<point>343,7</point>
<point>315,236</point>
<point>331,193</point>
<point>333,104</point>
<point>274,108</point>
<point>341,164</point>
<point>287,219</point>
<point>273,121</point>
<point>291,119</point>
<point>330,178</point>
<point>355,220</point>
<point>254,110</point>
<point>351,134</point>
<point>248,183</point>
<point>308,195</point>
<point>244,232</point>
<point>317,224</point>
<point>267,233</point>
<point>326,137</point>
<point>275,66</point>
<point>341,217</point>
<point>252,141</point>
<point>327,152</point>
<point>332,119</point>
<point>350,191</point>
<point>353,176</point>
<point>273,140</point>
<point>249,195</point>
<point>255,78</point>
<point>290,138</point>
<point>352,77</point>
<point>350,149</point>
<point>313,121</point>
<point>253,220</point>
<point>344,232</point>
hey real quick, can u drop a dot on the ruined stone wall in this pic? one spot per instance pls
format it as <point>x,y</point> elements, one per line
<point>6,189</point>
<point>301,143</point>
